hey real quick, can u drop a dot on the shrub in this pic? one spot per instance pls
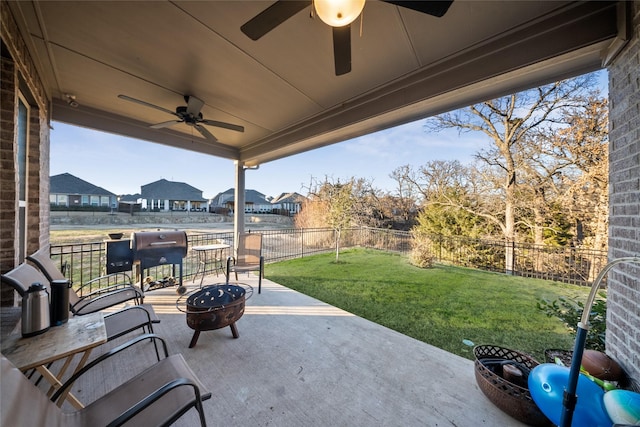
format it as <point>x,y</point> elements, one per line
<point>570,312</point>
<point>421,255</point>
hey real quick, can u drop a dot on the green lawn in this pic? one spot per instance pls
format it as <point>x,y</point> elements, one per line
<point>441,306</point>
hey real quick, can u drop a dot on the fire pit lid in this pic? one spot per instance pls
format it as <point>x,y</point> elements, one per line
<point>215,296</point>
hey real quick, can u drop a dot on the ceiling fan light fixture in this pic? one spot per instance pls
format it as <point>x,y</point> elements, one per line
<point>338,13</point>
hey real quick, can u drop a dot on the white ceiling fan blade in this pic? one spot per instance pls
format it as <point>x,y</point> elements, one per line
<point>146,104</point>
<point>165,124</point>
<point>194,105</point>
<point>224,125</point>
<point>206,133</point>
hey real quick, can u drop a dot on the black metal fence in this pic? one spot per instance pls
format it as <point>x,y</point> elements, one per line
<point>562,264</point>
<point>85,261</point>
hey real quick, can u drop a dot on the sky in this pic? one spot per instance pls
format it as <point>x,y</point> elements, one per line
<point>122,165</point>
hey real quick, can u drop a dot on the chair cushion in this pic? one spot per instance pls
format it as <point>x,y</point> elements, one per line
<point>109,406</point>
<point>129,319</point>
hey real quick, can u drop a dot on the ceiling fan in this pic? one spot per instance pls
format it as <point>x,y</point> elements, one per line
<point>188,114</point>
<point>337,13</point>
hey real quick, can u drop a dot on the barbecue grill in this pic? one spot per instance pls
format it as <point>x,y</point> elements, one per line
<point>157,248</point>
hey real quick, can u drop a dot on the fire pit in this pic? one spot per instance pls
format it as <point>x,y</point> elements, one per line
<point>214,307</point>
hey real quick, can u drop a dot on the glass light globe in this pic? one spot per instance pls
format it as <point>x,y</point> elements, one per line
<point>338,13</point>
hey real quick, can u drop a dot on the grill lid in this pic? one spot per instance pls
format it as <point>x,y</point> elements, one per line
<point>154,242</point>
<point>215,295</point>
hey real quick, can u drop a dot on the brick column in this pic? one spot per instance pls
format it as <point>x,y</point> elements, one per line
<point>8,198</point>
<point>623,301</point>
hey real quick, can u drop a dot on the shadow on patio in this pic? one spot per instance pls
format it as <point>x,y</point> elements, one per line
<point>300,362</point>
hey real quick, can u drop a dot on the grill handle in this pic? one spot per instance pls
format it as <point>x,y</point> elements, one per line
<point>163,243</point>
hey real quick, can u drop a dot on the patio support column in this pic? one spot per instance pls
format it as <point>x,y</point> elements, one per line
<point>238,212</point>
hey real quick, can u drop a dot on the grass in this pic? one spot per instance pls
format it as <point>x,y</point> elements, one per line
<point>442,306</point>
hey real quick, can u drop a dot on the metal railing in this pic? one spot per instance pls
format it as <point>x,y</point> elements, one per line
<point>86,261</point>
<point>562,264</point>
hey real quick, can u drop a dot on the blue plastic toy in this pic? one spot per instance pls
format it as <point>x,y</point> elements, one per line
<point>547,383</point>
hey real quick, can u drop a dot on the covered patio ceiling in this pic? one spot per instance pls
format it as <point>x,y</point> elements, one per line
<point>282,88</point>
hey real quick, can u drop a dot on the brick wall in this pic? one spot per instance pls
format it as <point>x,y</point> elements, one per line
<point>34,195</point>
<point>623,302</point>
<point>44,207</point>
<point>8,199</point>
<point>16,65</point>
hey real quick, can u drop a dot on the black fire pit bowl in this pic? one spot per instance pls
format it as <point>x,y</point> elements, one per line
<point>214,307</point>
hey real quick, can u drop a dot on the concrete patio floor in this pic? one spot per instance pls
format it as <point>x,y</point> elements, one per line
<point>300,362</point>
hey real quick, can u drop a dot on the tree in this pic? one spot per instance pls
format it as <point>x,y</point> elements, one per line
<point>508,122</point>
<point>367,207</point>
<point>448,197</point>
<point>334,205</point>
<point>312,213</point>
<point>395,212</point>
<point>585,145</point>
<point>541,183</point>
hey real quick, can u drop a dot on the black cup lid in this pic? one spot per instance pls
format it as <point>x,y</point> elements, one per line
<point>36,287</point>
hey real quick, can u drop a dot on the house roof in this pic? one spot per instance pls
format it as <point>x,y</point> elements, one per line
<point>170,190</point>
<point>250,196</point>
<point>282,88</point>
<point>289,198</point>
<point>65,183</point>
<point>130,197</point>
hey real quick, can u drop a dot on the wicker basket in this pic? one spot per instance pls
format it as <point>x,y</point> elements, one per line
<point>509,397</point>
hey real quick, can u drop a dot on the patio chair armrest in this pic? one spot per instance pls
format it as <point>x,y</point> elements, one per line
<point>105,356</point>
<point>150,399</point>
<point>122,280</point>
<point>112,289</point>
<point>93,300</point>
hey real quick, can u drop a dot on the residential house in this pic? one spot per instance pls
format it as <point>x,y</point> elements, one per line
<point>131,198</point>
<point>254,202</point>
<point>130,203</point>
<point>70,191</point>
<point>288,202</point>
<point>163,195</point>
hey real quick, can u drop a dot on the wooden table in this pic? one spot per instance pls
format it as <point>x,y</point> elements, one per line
<point>79,335</point>
<point>209,254</point>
